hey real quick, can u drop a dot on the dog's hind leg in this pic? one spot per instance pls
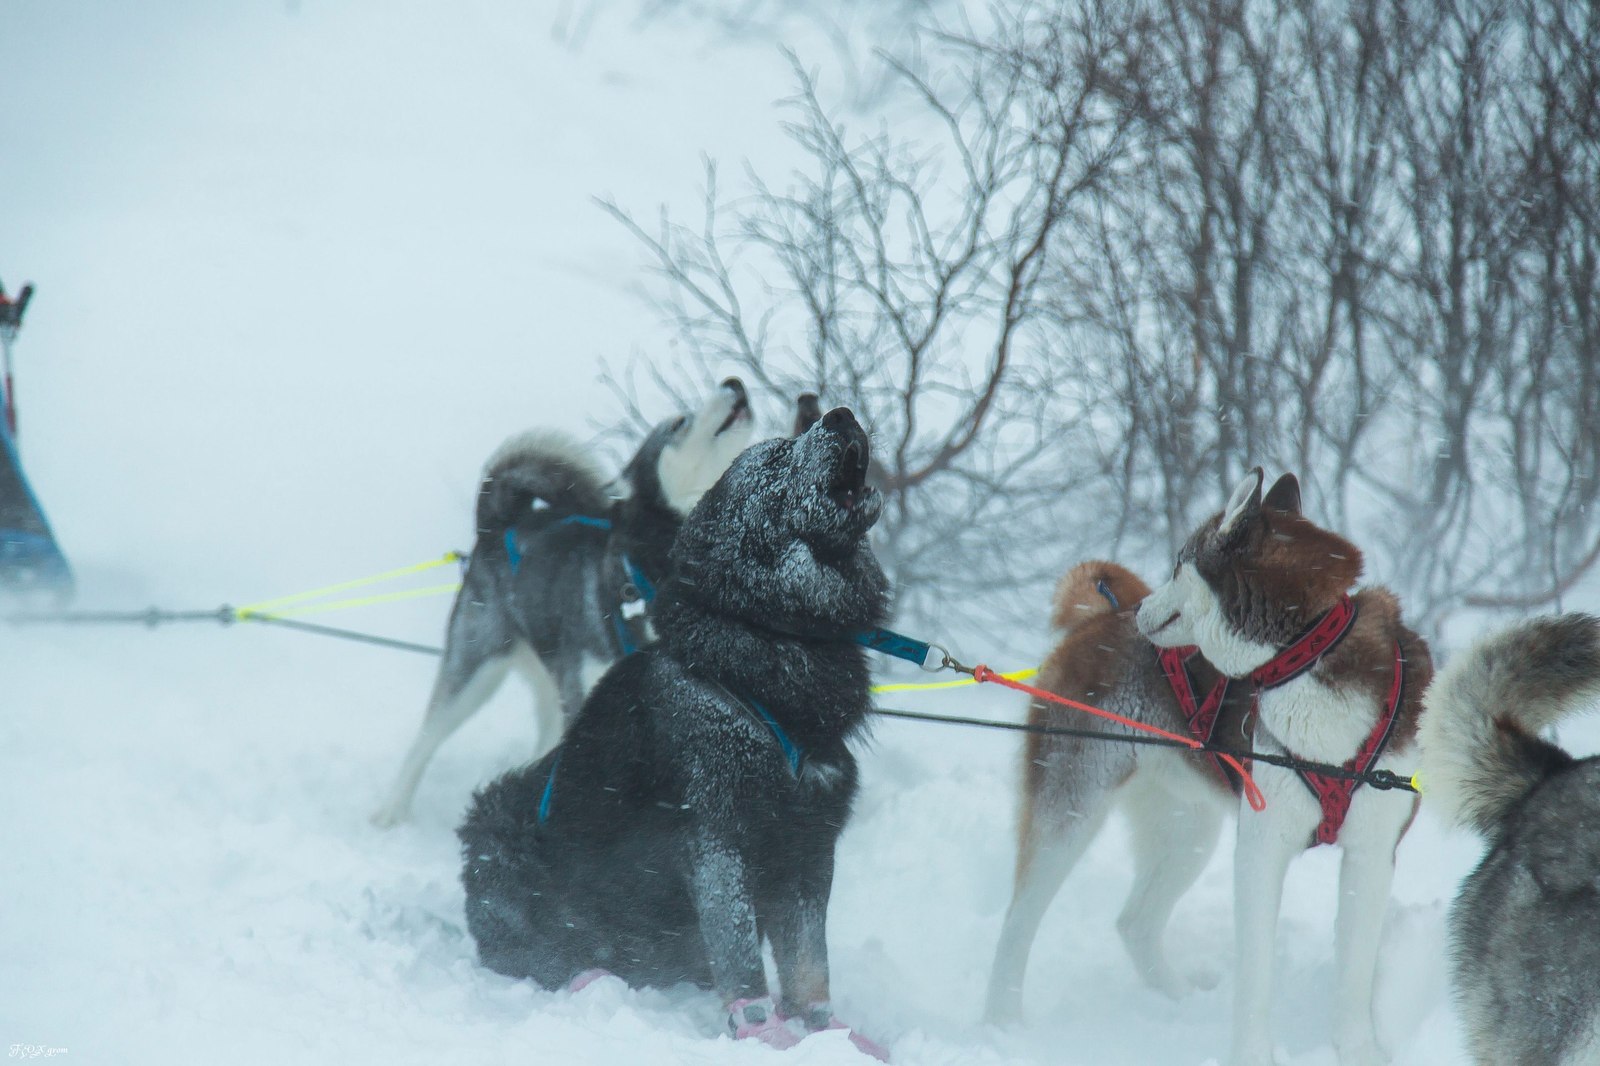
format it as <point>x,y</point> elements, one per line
<point>477,656</point>
<point>548,715</point>
<point>1174,832</point>
<point>1067,796</point>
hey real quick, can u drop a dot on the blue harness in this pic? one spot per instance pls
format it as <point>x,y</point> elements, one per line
<point>792,752</point>
<point>638,582</point>
<point>883,641</point>
<point>549,789</point>
<point>514,550</point>
<point>642,590</point>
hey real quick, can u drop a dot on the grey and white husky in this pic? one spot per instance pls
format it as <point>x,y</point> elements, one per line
<point>564,567</point>
<point>1526,924</point>
<point>1254,587</point>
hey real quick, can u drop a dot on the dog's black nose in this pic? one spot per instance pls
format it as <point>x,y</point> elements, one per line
<point>735,386</point>
<point>841,420</point>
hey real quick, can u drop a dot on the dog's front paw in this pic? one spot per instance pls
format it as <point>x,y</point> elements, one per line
<point>1168,981</point>
<point>758,1019</point>
<point>1253,1054</point>
<point>388,816</point>
<point>818,1017</point>
<point>1205,978</point>
<point>1362,1052</point>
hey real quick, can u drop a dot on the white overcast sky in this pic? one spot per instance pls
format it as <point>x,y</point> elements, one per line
<point>301,266</point>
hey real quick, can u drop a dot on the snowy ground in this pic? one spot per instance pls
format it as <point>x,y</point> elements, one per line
<point>300,268</point>
<point>190,877</point>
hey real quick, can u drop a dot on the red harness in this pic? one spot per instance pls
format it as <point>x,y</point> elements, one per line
<point>1201,716</point>
<point>1333,793</point>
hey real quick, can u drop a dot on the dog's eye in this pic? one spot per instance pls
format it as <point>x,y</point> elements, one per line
<point>683,420</point>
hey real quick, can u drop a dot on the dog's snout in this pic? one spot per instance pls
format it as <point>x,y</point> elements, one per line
<point>841,420</point>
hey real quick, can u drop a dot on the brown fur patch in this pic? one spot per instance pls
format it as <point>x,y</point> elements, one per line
<point>1078,596</point>
<point>1364,661</point>
<point>1275,573</point>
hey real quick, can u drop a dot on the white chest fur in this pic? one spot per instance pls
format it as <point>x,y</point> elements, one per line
<point>1316,721</point>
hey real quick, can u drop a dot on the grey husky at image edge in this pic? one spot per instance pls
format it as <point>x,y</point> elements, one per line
<point>1525,927</point>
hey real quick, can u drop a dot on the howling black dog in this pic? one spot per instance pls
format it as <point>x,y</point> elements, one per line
<point>693,805</point>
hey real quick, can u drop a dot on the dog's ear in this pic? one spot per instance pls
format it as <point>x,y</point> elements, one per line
<point>807,412</point>
<point>1245,501</point>
<point>1284,495</point>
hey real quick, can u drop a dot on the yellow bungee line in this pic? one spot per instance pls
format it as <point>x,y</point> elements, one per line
<point>274,606</point>
<point>358,601</point>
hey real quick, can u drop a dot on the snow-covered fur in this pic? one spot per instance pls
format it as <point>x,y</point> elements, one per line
<point>549,589</point>
<point>673,829</point>
<point>1526,924</point>
<point>1247,583</point>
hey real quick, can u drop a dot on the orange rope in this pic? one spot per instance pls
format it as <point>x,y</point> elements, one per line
<point>1252,794</point>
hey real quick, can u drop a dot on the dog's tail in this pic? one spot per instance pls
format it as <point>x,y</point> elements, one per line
<point>1093,588</point>
<point>1480,745</point>
<point>539,471</point>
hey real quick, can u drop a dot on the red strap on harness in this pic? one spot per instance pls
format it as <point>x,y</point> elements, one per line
<point>1308,647</point>
<point>1201,716</point>
<point>1334,793</point>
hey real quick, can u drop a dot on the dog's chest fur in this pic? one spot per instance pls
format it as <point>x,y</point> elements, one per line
<point>1318,720</point>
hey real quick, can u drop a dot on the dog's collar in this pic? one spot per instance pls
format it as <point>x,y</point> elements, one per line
<point>1301,654</point>
<point>514,545</point>
<point>881,640</point>
<point>638,583</point>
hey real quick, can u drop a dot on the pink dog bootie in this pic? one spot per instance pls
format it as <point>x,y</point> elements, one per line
<point>587,978</point>
<point>818,1017</point>
<point>758,1019</point>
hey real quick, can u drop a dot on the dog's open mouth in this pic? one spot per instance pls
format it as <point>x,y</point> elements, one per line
<point>849,485</point>
<point>741,406</point>
<point>1171,619</point>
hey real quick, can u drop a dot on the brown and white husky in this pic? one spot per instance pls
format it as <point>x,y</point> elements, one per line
<point>1257,632</point>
